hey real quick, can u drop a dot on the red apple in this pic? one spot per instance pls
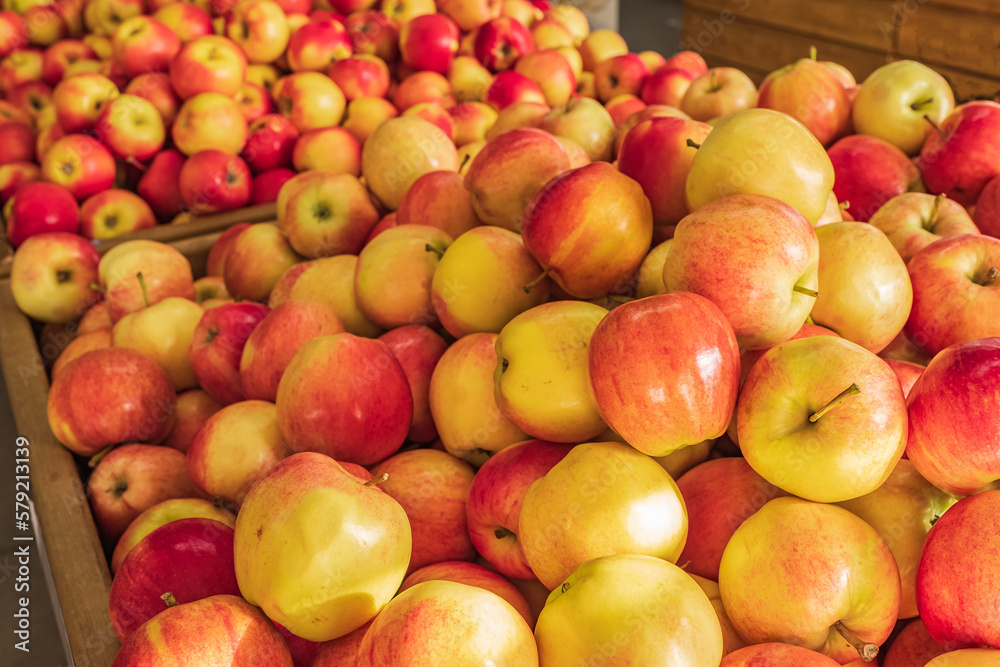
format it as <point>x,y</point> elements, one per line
<point>667,86</point>
<point>511,87</point>
<point>209,121</point>
<point>495,498</point>
<point>309,99</point>
<point>222,629</point>
<point>155,87</point>
<point>258,258</point>
<point>964,155</point>
<point>500,42</point>
<point>810,93</point>
<point>113,213</point>
<point>913,647</point>
<point>133,478</point>
<point>429,42</point>
<point>620,75</point>
<point>868,173</point>
<point>987,211</point>
<point>15,174</point>
<point>190,558</point>
<point>159,184</point>
<point>132,128</point>
<point>423,87</point>
<point>267,184</point>
<point>144,44</point>
<point>317,44</point>
<point>212,181</point>
<point>327,375</point>
<point>417,349</point>
<point>913,220</point>
<point>194,407</point>
<point>17,143</point>
<point>78,100</point>
<point>463,572</point>
<point>275,340</point>
<point>62,54</point>
<point>687,60</point>
<point>186,19</point>
<point>209,64</point>
<point>375,33</point>
<point>13,32</point>
<point>79,163</point>
<point>254,101</point>
<point>217,348</point>
<point>215,264</point>
<point>627,346</point>
<point>270,142</point>
<point>956,585</point>
<point>360,76</point>
<point>552,72</point>
<point>40,208</point>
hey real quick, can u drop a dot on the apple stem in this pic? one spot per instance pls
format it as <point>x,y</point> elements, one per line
<point>542,276</point>
<point>937,127</point>
<point>812,53</point>
<point>130,160</point>
<point>805,290</point>
<point>465,161</point>
<point>142,286</point>
<point>693,144</point>
<point>429,248</point>
<point>866,650</point>
<point>936,210</point>
<point>97,288</point>
<point>844,205</point>
<point>375,481</point>
<point>566,586</point>
<point>989,277</point>
<point>99,456</point>
<point>169,599</point>
<point>713,81</point>
<point>847,393</point>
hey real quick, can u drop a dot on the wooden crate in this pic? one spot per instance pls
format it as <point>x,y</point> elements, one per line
<point>79,566</point>
<point>198,226</point>
<point>958,38</point>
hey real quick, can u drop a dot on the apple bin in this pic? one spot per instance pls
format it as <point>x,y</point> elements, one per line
<point>535,351</point>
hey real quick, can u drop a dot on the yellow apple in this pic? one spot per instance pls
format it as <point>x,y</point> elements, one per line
<point>731,640</point>
<point>163,332</point>
<point>649,280</point>
<point>328,281</point>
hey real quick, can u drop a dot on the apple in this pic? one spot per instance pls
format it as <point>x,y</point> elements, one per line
<point>518,115</point>
<point>469,423</point>
<point>13,32</point>
<point>194,407</point>
<point>217,347</point>
<point>547,33</point>
<point>144,44</point>
<point>234,448</point>
<point>621,359</point>
<point>213,180</point>
<point>970,657</point>
<point>95,318</point>
<point>951,440</point>
<point>330,149</point>
<point>186,19</point>
<point>114,212</point>
<point>58,57</point>
<point>18,143</point>
<point>78,100</point>
<point>362,75</point>
<point>258,27</point>
<point>587,123</point>
<point>165,273</point>
<point>40,208</point>
<point>961,156</point>
<point>955,289</point>
<point>15,174</point>
<point>159,184</point>
<point>228,629</point>
<point>33,97</point>
<point>629,609</point>
<point>619,75</point>
<point>667,86</point>
<point>258,258</point>
<point>83,343</point>
<point>330,216</point>
<point>767,599</point>
<point>500,42</point>
<point>390,173</point>
<point>510,87</point>
<point>254,101</point>
<point>208,121</point>
<point>987,212</point>
<point>599,46</point>
<point>51,277</point>
<point>896,100</point>
<point>163,332</point>
<point>374,32</point>
<point>351,563</point>
<point>479,284</point>
<point>662,142</point>
<point>510,170</point>
<point>191,558</point>
<point>473,575</point>
<point>19,67</point>
<point>569,232</point>
<point>155,87</point>
<point>429,42</point>
<point>270,142</point>
<point>417,348</point>
<point>131,479</point>
<point>266,185</point>
<point>468,79</point>
<point>573,19</point>
<point>810,93</point>
<point>719,496</point>
<point>575,513</point>
<point>432,487</point>
<point>162,514</point>
<point>80,164</point>
<point>309,99</point>
<point>762,162</point>
<point>495,499</point>
<point>914,220</point>
<point>772,654</point>
<point>314,46</point>
<point>718,92</point>
<point>621,107</point>
<point>472,121</point>
<point>215,263</point>
<point>421,87</point>
<point>913,647</point>
<point>275,340</point>
<point>954,583</point>
<point>869,172</point>
<point>132,128</point>
<point>209,64</point>
<point>470,15</point>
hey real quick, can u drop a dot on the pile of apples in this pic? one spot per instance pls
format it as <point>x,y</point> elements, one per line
<point>564,356</point>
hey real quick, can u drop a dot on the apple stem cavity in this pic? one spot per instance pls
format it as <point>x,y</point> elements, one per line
<point>542,276</point>
<point>63,276</point>
<point>375,481</point>
<point>988,277</point>
<point>866,650</point>
<point>930,121</point>
<point>142,286</point>
<point>805,290</point>
<point>502,533</point>
<point>429,248</point>
<point>837,400</point>
<point>169,599</point>
<point>99,456</point>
